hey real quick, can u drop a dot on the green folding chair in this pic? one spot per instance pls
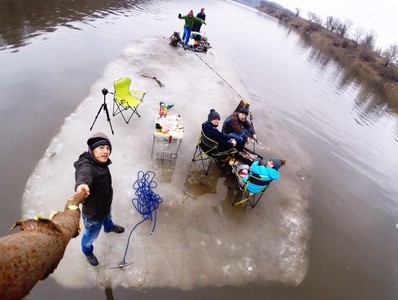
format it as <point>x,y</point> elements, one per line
<point>247,195</point>
<point>206,152</point>
<point>126,102</point>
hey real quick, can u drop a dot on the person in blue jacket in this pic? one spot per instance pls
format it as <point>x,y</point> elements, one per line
<point>210,130</point>
<point>268,171</point>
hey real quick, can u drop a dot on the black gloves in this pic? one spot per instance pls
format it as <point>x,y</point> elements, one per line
<point>179,15</point>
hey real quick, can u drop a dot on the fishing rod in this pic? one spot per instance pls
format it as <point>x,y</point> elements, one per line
<point>211,68</point>
<point>242,101</point>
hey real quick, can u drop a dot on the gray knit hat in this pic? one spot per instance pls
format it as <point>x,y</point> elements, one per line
<point>98,139</point>
<point>213,115</point>
<point>277,163</point>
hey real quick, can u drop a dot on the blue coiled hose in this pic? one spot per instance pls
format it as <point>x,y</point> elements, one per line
<point>146,202</point>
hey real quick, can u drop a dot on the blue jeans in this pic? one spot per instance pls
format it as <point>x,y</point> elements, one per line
<point>186,35</point>
<point>240,143</point>
<point>92,230</point>
<point>237,137</point>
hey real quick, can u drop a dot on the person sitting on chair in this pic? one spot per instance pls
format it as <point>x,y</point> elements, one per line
<point>265,171</point>
<point>209,128</point>
<point>237,126</point>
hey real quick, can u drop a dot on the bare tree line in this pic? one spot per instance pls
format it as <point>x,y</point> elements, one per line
<point>345,29</point>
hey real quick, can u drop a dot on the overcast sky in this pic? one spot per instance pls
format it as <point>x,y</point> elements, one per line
<point>378,15</point>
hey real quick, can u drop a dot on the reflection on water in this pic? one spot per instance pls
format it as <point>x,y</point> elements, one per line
<point>23,20</point>
<point>372,103</point>
<point>317,57</point>
<point>198,183</point>
<point>350,76</point>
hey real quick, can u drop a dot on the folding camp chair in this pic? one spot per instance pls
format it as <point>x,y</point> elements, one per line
<point>124,102</point>
<point>207,151</point>
<point>247,195</point>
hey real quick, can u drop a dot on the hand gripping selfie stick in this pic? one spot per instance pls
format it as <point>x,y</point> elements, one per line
<point>105,108</point>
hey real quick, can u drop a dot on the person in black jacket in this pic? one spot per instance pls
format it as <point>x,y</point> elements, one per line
<point>92,176</point>
<point>197,25</point>
<point>210,130</point>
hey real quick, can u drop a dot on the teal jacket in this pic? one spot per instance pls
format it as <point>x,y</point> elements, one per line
<point>190,20</point>
<point>264,172</point>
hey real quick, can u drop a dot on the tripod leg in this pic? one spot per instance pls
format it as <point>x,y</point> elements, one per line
<point>107,116</point>
<point>96,117</point>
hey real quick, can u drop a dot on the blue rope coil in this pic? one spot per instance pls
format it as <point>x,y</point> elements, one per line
<point>146,201</point>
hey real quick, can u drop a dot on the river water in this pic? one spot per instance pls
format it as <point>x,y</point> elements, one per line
<point>51,53</point>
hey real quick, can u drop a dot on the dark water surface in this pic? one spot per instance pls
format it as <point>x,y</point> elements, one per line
<point>52,52</point>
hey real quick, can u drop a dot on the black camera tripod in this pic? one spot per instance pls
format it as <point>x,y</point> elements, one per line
<point>105,107</point>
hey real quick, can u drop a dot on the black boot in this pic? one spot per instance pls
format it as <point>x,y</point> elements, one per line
<point>116,229</point>
<point>92,259</point>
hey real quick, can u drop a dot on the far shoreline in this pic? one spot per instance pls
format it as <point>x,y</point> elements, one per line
<point>348,53</point>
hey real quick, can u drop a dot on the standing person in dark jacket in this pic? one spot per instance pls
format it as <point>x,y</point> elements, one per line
<point>197,25</point>
<point>238,127</point>
<point>92,175</point>
<point>210,130</point>
<point>189,20</point>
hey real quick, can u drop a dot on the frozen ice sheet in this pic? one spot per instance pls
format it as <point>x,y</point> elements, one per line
<point>200,239</point>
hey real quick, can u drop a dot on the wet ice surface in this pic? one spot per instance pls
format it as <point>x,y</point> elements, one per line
<point>199,239</point>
